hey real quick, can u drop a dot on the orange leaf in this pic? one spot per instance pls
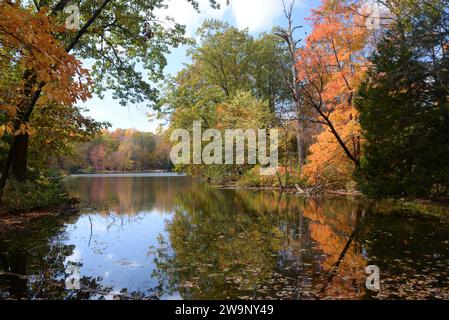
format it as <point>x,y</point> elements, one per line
<point>10,110</point>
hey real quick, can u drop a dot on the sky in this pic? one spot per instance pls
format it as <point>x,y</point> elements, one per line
<point>256,15</point>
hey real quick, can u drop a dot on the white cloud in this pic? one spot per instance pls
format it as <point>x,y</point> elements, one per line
<point>75,257</point>
<point>259,15</point>
<point>184,13</point>
<point>256,15</point>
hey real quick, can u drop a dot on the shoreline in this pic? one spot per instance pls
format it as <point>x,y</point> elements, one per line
<point>424,206</point>
<point>10,219</point>
<point>291,190</point>
<point>126,174</point>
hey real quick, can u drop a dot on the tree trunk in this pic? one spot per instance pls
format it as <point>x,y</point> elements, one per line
<point>19,157</point>
<point>345,148</point>
<point>292,79</point>
<point>16,162</point>
<point>300,142</point>
<point>5,173</point>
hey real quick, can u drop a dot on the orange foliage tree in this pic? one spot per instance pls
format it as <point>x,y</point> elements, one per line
<point>43,71</point>
<point>329,67</point>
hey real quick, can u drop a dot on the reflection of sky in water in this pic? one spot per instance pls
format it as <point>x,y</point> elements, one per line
<point>119,248</point>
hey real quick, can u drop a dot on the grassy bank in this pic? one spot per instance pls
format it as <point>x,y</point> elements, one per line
<point>409,207</point>
<point>46,194</point>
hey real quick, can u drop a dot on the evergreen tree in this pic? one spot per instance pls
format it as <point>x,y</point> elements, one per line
<point>404,113</point>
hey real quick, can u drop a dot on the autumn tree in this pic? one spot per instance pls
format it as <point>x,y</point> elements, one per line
<point>330,66</point>
<point>232,60</point>
<point>57,131</point>
<point>46,74</point>
<point>116,151</point>
<point>242,111</point>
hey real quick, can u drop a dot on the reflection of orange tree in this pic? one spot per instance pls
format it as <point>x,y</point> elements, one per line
<point>240,244</point>
<point>334,231</point>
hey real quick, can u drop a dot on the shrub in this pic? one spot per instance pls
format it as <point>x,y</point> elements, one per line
<point>43,193</point>
<point>252,178</point>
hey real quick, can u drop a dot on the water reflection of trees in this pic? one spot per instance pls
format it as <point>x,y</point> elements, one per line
<point>129,195</point>
<point>334,226</point>
<point>33,263</point>
<point>239,244</point>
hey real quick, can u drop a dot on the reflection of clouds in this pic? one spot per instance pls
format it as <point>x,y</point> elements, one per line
<point>112,295</point>
<point>75,257</point>
<point>128,263</point>
<point>98,227</point>
<point>174,297</point>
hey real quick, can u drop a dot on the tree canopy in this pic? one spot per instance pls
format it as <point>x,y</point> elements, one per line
<point>354,102</point>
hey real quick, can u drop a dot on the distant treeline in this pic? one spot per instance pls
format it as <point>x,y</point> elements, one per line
<point>119,151</point>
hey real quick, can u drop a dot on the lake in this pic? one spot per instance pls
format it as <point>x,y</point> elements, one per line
<point>170,237</point>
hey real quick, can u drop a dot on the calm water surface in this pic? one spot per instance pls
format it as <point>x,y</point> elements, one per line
<point>168,237</point>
